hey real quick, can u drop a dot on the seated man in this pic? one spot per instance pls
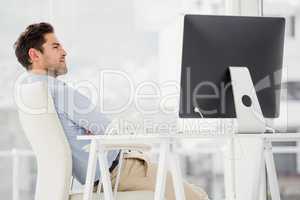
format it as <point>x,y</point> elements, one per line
<point>39,51</point>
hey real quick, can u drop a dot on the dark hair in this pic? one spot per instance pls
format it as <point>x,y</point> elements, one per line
<point>32,37</point>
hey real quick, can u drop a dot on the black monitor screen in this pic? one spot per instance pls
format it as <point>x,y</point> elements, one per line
<point>213,43</point>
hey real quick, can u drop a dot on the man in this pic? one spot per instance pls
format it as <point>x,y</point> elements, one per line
<point>42,55</point>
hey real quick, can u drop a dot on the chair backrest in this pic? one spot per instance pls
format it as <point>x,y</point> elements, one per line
<point>43,129</point>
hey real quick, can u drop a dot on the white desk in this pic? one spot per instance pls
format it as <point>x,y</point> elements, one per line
<point>167,154</point>
<point>167,157</point>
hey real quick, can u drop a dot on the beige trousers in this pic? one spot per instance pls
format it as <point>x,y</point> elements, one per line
<point>138,173</point>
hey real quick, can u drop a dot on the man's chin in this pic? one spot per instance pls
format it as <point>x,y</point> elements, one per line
<point>61,71</point>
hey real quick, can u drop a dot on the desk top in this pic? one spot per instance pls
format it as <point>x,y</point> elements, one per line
<point>158,138</point>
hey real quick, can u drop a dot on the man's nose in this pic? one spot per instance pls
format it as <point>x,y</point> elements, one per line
<point>64,52</point>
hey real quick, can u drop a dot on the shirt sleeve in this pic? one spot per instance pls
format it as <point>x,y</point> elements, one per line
<point>80,110</point>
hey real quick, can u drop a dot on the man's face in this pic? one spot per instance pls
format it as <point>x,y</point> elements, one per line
<point>53,56</point>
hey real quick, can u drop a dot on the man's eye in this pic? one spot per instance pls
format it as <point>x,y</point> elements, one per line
<point>55,47</point>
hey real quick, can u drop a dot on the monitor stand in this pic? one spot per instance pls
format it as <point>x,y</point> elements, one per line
<point>250,120</point>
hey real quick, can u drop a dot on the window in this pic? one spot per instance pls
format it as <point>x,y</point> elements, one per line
<point>289,174</point>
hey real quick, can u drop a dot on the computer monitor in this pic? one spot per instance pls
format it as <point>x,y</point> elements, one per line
<point>213,43</point>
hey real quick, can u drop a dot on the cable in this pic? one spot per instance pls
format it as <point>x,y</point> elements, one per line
<point>197,110</point>
<point>270,129</point>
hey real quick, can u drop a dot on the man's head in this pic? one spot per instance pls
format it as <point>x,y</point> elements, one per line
<point>37,48</point>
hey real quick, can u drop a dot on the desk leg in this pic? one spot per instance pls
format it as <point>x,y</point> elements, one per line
<point>162,172</point>
<point>271,172</point>
<point>230,170</point>
<point>89,183</point>
<point>105,175</point>
<point>177,176</point>
<point>259,173</point>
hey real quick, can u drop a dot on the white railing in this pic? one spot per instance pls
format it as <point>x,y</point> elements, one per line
<point>15,154</point>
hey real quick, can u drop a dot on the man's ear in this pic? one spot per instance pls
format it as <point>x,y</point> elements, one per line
<point>33,54</point>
